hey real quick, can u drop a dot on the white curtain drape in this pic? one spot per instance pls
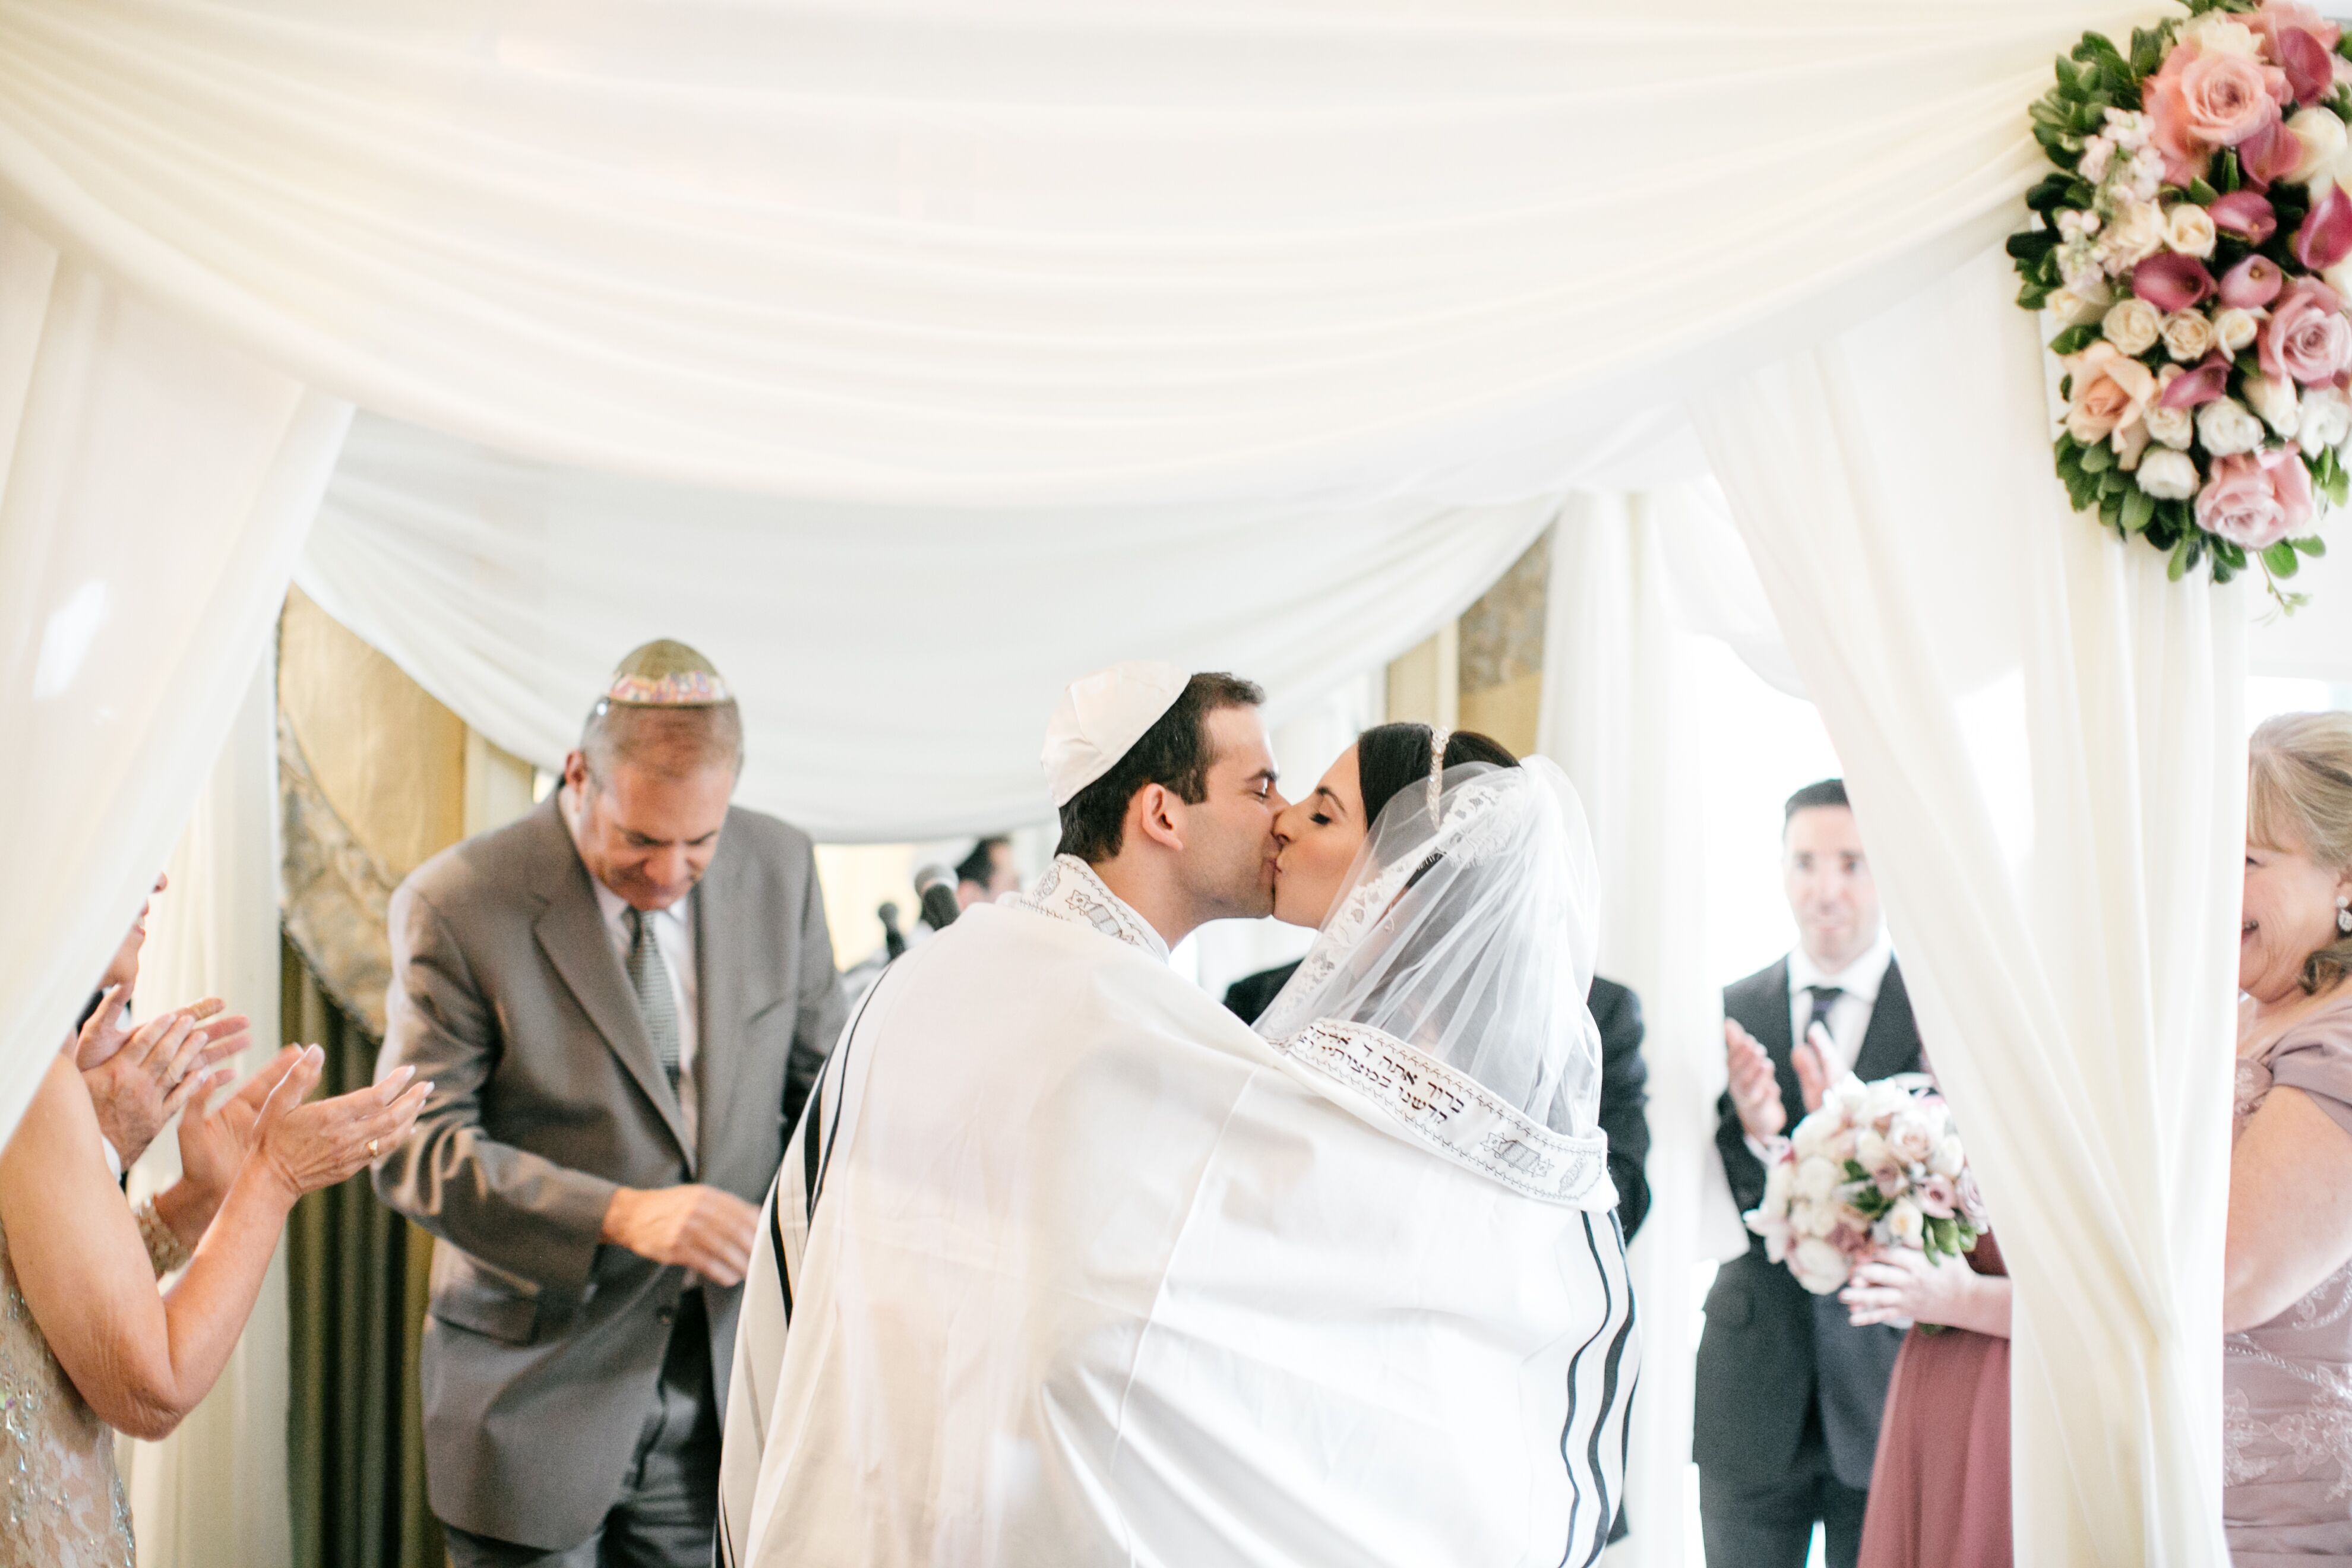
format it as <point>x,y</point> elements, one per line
<point>1015,254</point>
<point>895,666</point>
<point>214,1493</point>
<point>1616,694</point>
<point>154,488</point>
<point>2073,985</point>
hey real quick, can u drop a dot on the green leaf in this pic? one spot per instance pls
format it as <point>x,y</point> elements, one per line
<point>2225,172</point>
<point>2203,194</point>
<point>2138,508</point>
<point>2075,339</point>
<point>2178,566</point>
<point>2282,560</point>
<point>2311,544</point>
<point>2098,458</point>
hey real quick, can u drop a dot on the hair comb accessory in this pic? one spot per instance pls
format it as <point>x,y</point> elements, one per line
<point>1440,737</point>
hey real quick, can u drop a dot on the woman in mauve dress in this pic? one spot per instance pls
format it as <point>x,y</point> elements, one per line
<point>2286,1302</point>
<point>1939,1489</point>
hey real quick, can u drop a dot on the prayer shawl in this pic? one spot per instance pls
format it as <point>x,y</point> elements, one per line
<point>1066,1266</point>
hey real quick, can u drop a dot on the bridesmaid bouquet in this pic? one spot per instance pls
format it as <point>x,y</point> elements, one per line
<point>1878,1166</point>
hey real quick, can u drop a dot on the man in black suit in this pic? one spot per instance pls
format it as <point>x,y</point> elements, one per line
<point>1624,1077</point>
<point>1788,1391</point>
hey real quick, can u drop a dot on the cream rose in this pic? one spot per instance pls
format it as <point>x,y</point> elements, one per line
<point>2227,429</point>
<point>2235,328</point>
<point>2169,475</point>
<point>1814,1219</point>
<point>1949,1159</point>
<point>2111,390</point>
<point>2275,401</point>
<point>2217,34</point>
<point>2327,419</point>
<point>2322,136</point>
<point>1911,1138</point>
<point>1815,1180</point>
<point>2137,234</point>
<point>2188,335</point>
<point>2188,229</point>
<point>1870,1149</point>
<point>2173,427</point>
<point>1818,1267</point>
<point>2079,310</point>
<point>1906,1222</point>
<point>2132,326</point>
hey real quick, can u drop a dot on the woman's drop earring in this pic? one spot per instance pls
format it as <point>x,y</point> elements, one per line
<point>2344,915</point>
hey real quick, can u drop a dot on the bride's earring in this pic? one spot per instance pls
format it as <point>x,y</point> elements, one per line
<point>2344,915</point>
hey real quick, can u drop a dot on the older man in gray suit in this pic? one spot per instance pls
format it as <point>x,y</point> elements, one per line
<point>621,1001</point>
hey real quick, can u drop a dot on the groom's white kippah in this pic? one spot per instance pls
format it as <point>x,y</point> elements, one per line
<point>1103,715</point>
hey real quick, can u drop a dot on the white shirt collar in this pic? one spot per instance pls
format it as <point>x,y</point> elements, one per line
<point>1861,978</point>
<point>1070,890</point>
<point>615,909</point>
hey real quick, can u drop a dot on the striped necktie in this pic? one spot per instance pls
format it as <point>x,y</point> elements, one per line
<point>657,1003</point>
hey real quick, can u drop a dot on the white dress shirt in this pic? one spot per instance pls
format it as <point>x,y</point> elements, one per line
<point>1849,1019</point>
<point>673,932</point>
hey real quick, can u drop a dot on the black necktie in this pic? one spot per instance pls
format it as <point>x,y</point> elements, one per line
<point>1825,998</point>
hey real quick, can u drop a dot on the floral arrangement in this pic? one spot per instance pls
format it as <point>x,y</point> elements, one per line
<point>1879,1165</point>
<point>2192,246</point>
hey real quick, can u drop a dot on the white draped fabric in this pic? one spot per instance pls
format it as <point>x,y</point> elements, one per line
<point>214,1493</point>
<point>1024,253</point>
<point>2073,990</point>
<point>155,488</point>
<point>1617,678</point>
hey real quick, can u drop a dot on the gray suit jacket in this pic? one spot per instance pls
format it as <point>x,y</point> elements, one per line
<point>544,1348</point>
<point>1770,1353</point>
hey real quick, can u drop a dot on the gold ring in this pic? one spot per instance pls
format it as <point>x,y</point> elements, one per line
<point>372,1149</point>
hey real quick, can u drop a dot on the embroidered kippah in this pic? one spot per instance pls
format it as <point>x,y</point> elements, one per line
<point>666,674</point>
<point>1439,739</point>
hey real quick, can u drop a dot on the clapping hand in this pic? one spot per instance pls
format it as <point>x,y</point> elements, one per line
<point>306,1147</point>
<point>1755,1087</point>
<point>215,1139</point>
<point>141,1078</point>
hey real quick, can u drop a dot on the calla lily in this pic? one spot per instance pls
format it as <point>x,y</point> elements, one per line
<point>2271,153</point>
<point>2207,382</point>
<point>2172,282</point>
<point>2246,214</point>
<point>2325,237</point>
<point>2253,283</point>
<point>2310,68</point>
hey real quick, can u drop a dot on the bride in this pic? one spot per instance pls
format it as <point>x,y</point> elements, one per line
<point>1120,1281</point>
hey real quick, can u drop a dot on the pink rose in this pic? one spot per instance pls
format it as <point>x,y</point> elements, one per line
<point>2228,98</point>
<point>2304,43</point>
<point>2246,214</point>
<point>2252,283</point>
<point>2256,498</point>
<point>2172,282</point>
<point>2324,237</point>
<point>2307,339</point>
<point>2111,389</point>
<point>1938,1197</point>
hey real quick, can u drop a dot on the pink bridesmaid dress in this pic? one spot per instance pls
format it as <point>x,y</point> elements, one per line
<point>1939,1490</point>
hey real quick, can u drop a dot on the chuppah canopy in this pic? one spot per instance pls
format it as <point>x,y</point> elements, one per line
<point>1103,270</point>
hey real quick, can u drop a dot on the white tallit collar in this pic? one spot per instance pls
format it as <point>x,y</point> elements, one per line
<point>1070,890</point>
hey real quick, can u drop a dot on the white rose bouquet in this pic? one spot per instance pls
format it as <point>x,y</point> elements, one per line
<point>2192,245</point>
<point>1878,1166</point>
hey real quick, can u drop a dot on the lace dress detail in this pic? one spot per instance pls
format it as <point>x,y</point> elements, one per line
<point>64,1505</point>
<point>2286,1414</point>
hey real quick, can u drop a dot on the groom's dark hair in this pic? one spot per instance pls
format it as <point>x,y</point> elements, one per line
<point>1174,753</point>
<point>1814,797</point>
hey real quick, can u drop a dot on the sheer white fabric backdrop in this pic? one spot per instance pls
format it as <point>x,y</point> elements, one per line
<point>214,1493</point>
<point>1615,693</point>
<point>2075,991</point>
<point>154,488</point>
<point>1009,254</point>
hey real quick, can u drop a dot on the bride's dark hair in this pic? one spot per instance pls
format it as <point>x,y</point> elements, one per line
<point>1391,756</point>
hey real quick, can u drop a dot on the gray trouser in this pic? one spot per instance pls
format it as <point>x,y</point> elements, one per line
<point>668,1513</point>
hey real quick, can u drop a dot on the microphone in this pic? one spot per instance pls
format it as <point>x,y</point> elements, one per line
<point>894,941</point>
<point>936,886</point>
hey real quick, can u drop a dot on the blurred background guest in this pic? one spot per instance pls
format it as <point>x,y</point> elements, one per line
<point>988,873</point>
<point>623,998</point>
<point>1940,1491</point>
<point>2286,1291</point>
<point>1790,1390</point>
<point>89,1345</point>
